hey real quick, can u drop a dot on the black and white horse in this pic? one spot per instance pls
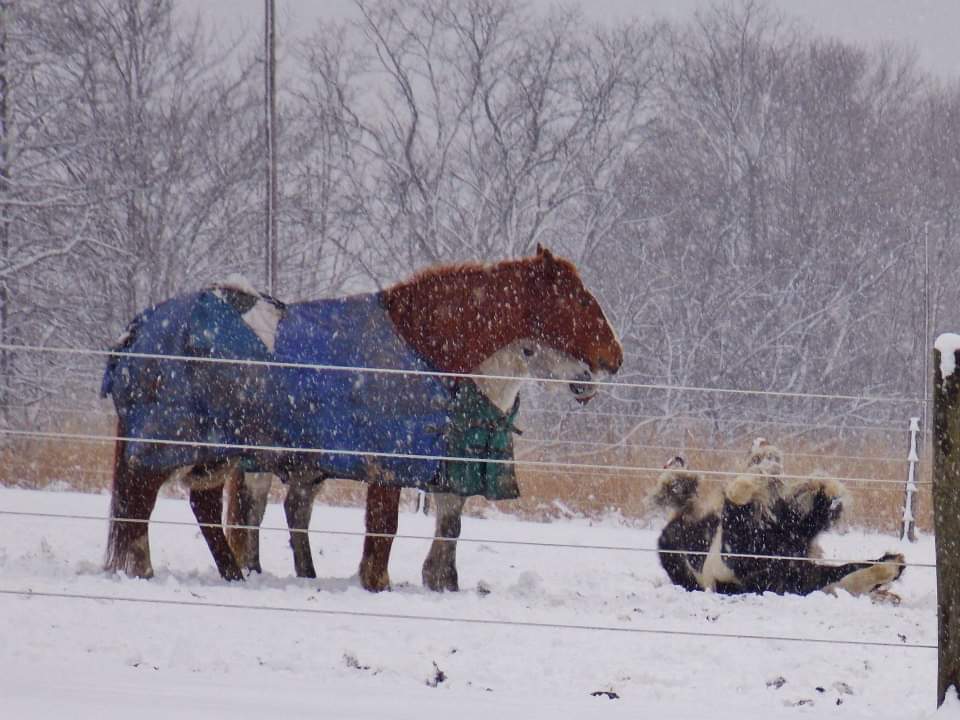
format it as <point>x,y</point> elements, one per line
<point>758,533</point>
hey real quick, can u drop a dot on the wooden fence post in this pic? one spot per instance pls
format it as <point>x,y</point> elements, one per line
<point>946,508</point>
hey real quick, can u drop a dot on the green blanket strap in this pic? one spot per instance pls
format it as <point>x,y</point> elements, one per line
<point>478,429</point>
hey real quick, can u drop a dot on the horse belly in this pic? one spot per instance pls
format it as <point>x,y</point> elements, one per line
<point>379,426</point>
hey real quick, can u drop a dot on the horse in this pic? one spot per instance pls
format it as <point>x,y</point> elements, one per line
<point>715,532</point>
<point>223,382</point>
<point>247,494</point>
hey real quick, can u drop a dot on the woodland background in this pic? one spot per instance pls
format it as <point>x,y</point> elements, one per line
<point>757,208</point>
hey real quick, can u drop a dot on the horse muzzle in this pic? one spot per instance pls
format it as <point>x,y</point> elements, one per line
<point>582,389</point>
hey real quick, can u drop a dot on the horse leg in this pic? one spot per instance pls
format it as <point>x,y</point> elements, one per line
<point>702,539</point>
<point>298,506</point>
<point>440,567</point>
<point>864,578</point>
<point>132,502</point>
<point>247,495</point>
<point>383,508</point>
<point>800,577</point>
<point>206,501</point>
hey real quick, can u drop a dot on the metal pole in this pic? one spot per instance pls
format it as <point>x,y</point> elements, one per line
<point>270,114</point>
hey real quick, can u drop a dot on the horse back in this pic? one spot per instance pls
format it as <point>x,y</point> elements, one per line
<point>159,392</point>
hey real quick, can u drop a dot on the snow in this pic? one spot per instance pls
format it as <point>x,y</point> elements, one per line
<point>947,344</point>
<point>950,707</point>
<point>95,658</point>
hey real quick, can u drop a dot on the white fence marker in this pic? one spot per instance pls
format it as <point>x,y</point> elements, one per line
<point>908,527</point>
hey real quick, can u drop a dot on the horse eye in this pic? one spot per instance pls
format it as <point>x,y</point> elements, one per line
<point>528,352</point>
<point>584,302</point>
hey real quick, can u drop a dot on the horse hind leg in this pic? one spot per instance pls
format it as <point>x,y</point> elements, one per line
<point>133,498</point>
<point>867,578</point>
<point>247,496</point>
<point>298,506</point>
<point>440,567</point>
<point>383,508</point>
<point>856,578</point>
<point>206,501</point>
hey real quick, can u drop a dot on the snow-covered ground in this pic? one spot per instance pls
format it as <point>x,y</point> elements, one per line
<point>69,657</point>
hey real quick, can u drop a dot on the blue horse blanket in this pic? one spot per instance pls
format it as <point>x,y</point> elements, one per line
<point>363,420</point>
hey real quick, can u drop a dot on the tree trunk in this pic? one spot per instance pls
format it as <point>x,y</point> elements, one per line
<point>946,517</point>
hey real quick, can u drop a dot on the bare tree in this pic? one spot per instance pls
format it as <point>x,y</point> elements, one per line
<point>484,128</point>
<point>131,157</point>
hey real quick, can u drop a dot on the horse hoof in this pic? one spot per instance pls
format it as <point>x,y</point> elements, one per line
<point>134,568</point>
<point>136,574</point>
<point>451,586</point>
<point>441,582</point>
<point>231,574</point>
<point>884,597</point>
<point>374,582</point>
<point>375,587</point>
<point>306,571</point>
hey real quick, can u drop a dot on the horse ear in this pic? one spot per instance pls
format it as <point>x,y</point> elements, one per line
<point>544,254</point>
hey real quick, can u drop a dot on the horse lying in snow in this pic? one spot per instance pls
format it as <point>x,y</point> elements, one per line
<point>715,533</point>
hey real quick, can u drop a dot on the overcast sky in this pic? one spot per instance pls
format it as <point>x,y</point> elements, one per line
<point>929,26</point>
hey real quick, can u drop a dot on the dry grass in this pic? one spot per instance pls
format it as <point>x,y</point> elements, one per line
<point>78,465</point>
<point>554,493</point>
<point>547,493</point>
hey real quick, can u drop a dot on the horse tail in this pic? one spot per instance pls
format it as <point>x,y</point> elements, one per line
<point>123,344</point>
<point>114,535</point>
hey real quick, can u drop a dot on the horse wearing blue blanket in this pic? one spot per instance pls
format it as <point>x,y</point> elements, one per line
<point>222,382</point>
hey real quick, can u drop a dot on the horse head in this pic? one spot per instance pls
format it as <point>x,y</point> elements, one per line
<point>565,316</point>
<point>546,362</point>
<point>528,358</point>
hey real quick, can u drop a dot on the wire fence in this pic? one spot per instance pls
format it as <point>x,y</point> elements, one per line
<point>440,538</point>
<point>88,352</point>
<point>526,439</point>
<point>716,475</point>
<point>566,468</point>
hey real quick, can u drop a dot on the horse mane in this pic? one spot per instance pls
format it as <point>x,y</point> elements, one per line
<point>457,315</point>
<point>438,272</point>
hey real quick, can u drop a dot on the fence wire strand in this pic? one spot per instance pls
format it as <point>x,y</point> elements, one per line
<point>394,371</point>
<point>431,538</point>
<point>30,594</point>
<point>715,475</point>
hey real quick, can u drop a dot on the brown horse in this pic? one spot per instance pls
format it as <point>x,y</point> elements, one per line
<point>456,318</point>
